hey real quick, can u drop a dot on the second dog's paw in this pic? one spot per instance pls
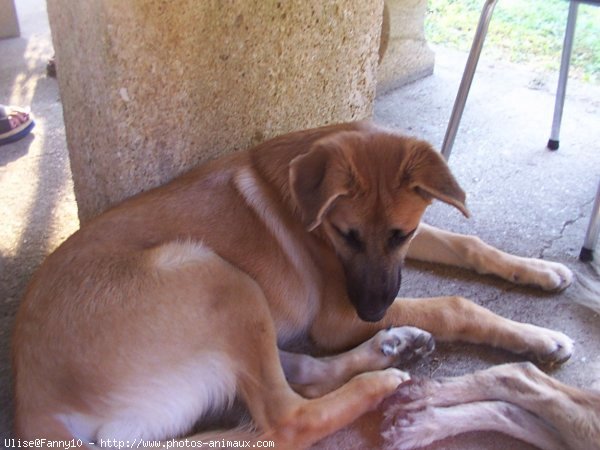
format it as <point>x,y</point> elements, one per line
<point>407,429</point>
<point>404,343</point>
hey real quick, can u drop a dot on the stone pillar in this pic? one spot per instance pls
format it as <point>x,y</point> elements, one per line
<point>151,88</point>
<point>9,25</point>
<point>405,55</point>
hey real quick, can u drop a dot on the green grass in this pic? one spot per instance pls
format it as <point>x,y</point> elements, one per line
<point>522,31</point>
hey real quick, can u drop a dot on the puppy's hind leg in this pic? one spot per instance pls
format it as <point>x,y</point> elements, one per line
<point>313,377</point>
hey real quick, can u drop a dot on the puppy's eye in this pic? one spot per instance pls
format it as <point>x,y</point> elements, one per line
<point>351,237</point>
<point>398,237</point>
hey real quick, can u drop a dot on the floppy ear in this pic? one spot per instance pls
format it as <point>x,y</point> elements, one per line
<point>317,179</point>
<point>430,176</point>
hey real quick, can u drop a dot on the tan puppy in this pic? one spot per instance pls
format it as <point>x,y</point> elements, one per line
<point>166,307</point>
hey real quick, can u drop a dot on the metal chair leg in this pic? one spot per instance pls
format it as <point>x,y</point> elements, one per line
<point>467,78</point>
<point>591,237</point>
<point>553,142</point>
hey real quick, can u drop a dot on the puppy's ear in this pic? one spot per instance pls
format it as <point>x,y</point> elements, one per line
<point>428,174</point>
<point>318,178</point>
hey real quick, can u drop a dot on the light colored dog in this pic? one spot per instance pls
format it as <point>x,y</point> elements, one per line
<point>166,307</point>
<point>515,399</point>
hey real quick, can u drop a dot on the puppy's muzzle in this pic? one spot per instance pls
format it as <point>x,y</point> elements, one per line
<point>373,291</point>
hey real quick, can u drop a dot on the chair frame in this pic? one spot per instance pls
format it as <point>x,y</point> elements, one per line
<point>591,238</point>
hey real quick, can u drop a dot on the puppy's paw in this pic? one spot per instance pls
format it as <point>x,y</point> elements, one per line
<point>403,344</point>
<point>548,346</point>
<point>382,383</point>
<point>560,349</point>
<point>548,275</point>
<point>397,377</point>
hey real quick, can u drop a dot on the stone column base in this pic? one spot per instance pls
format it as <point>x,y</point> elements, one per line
<point>404,53</point>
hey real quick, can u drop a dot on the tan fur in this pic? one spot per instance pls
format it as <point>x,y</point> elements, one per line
<point>169,305</point>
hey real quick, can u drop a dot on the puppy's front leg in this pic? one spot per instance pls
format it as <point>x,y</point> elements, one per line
<point>439,246</point>
<point>447,319</point>
<point>313,377</point>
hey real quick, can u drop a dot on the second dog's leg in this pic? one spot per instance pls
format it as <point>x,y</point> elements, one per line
<point>573,414</point>
<point>439,246</point>
<point>313,377</point>
<point>414,429</point>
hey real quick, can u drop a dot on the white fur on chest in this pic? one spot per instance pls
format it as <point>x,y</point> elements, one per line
<point>253,192</point>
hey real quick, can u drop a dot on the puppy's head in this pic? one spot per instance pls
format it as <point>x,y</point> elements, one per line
<point>366,192</point>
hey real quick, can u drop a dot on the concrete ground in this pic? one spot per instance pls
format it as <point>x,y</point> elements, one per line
<point>523,198</point>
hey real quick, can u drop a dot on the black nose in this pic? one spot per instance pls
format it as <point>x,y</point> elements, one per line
<point>372,285</point>
<point>369,316</point>
<point>370,305</point>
